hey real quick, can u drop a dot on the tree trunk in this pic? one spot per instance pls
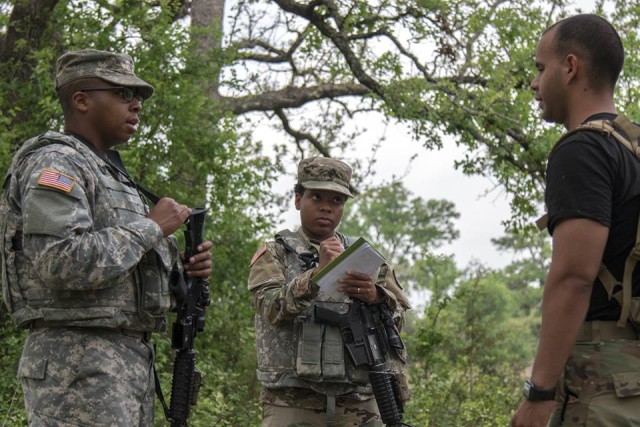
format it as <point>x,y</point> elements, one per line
<point>208,15</point>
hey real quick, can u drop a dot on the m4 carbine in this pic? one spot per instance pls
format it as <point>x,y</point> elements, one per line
<point>367,331</point>
<point>192,297</point>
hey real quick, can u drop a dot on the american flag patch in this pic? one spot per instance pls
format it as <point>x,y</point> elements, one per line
<point>259,252</point>
<point>55,179</point>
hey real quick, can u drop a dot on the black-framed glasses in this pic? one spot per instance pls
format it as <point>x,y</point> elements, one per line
<point>125,93</point>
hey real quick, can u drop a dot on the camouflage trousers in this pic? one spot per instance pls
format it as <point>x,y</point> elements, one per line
<point>354,413</point>
<point>87,377</point>
<point>601,384</point>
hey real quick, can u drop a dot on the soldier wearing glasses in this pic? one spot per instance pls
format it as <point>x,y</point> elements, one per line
<point>85,261</point>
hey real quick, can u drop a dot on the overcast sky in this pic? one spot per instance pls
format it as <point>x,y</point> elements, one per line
<point>433,176</point>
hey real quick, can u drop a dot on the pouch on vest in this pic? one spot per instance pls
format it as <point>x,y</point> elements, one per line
<point>308,358</point>
<point>152,278</point>
<point>332,354</point>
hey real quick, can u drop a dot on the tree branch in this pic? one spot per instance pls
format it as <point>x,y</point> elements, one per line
<point>300,136</point>
<point>291,97</point>
<point>337,37</point>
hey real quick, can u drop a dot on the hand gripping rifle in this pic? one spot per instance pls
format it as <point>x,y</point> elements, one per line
<point>367,331</point>
<point>192,296</point>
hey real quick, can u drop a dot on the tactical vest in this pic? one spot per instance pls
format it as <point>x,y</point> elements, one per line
<point>137,301</point>
<point>628,134</point>
<point>304,353</point>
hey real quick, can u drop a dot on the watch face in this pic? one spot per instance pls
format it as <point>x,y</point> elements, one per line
<point>526,389</point>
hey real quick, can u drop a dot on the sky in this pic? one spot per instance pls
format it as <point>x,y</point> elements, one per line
<point>432,176</point>
<point>482,205</point>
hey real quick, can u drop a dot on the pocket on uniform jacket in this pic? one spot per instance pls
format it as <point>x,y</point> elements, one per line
<point>34,368</point>
<point>626,384</point>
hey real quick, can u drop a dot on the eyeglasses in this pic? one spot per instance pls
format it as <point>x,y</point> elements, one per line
<point>126,93</point>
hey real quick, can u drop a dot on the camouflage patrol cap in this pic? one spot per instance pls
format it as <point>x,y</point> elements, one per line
<point>114,68</point>
<point>323,173</point>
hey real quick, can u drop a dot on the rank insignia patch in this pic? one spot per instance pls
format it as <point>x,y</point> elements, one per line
<point>55,179</point>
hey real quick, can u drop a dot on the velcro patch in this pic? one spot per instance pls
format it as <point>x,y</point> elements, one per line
<point>55,179</point>
<point>258,253</point>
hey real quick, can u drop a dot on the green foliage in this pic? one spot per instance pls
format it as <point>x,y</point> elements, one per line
<point>468,353</point>
<point>186,148</point>
<point>402,226</point>
<point>12,407</point>
<point>469,348</point>
<point>450,70</point>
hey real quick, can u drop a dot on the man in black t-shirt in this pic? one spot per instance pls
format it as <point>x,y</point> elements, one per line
<point>587,368</point>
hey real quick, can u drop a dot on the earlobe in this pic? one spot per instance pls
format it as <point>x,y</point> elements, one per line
<point>297,202</point>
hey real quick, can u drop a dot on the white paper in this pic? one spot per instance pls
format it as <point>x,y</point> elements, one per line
<point>364,259</point>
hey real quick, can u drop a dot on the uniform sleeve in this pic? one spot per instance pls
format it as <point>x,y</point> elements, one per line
<point>275,299</point>
<point>58,235</point>
<point>393,294</point>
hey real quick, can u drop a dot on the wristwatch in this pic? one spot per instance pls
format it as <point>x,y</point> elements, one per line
<point>534,394</point>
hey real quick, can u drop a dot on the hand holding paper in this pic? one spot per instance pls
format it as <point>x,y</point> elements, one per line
<point>360,257</point>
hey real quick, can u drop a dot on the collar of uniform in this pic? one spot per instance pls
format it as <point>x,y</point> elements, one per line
<point>308,242</point>
<point>111,155</point>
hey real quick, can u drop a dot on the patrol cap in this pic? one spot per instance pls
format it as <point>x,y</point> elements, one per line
<point>324,173</point>
<point>114,68</point>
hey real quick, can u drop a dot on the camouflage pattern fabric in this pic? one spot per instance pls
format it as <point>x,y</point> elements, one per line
<point>350,413</point>
<point>278,302</point>
<point>114,68</point>
<point>88,259</point>
<point>83,377</point>
<point>89,250</point>
<point>601,385</point>
<point>323,173</point>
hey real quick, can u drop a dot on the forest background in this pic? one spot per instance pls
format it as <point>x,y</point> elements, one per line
<point>320,74</point>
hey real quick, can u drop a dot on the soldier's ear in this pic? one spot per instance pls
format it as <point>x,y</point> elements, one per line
<point>79,101</point>
<point>297,201</point>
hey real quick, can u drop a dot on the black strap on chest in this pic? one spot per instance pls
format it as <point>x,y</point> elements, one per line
<point>309,258</point>
<point>113,159</point>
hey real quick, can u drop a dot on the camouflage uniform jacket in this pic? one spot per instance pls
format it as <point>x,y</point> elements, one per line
<point>77,248</point>
<point>282,292</point>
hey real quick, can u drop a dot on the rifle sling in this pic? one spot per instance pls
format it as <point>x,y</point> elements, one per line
<point>158,386</point>
<point>113,159</point>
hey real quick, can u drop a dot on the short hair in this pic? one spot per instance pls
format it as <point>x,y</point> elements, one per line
<point>594,39</point>
<point>66,92</point>
<point>298,189</point>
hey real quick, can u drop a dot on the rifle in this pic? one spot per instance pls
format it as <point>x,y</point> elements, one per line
<point>367,331</point>
<point>192,296</point>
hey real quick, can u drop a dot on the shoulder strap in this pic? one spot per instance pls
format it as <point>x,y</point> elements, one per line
<point>628,134</point>
<point>611,128</point>
<point>290,240</point>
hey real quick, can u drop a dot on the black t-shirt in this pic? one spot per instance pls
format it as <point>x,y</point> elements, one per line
<point>591,175</point>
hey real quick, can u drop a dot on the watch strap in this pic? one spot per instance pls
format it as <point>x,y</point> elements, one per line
<point>535,394</point>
